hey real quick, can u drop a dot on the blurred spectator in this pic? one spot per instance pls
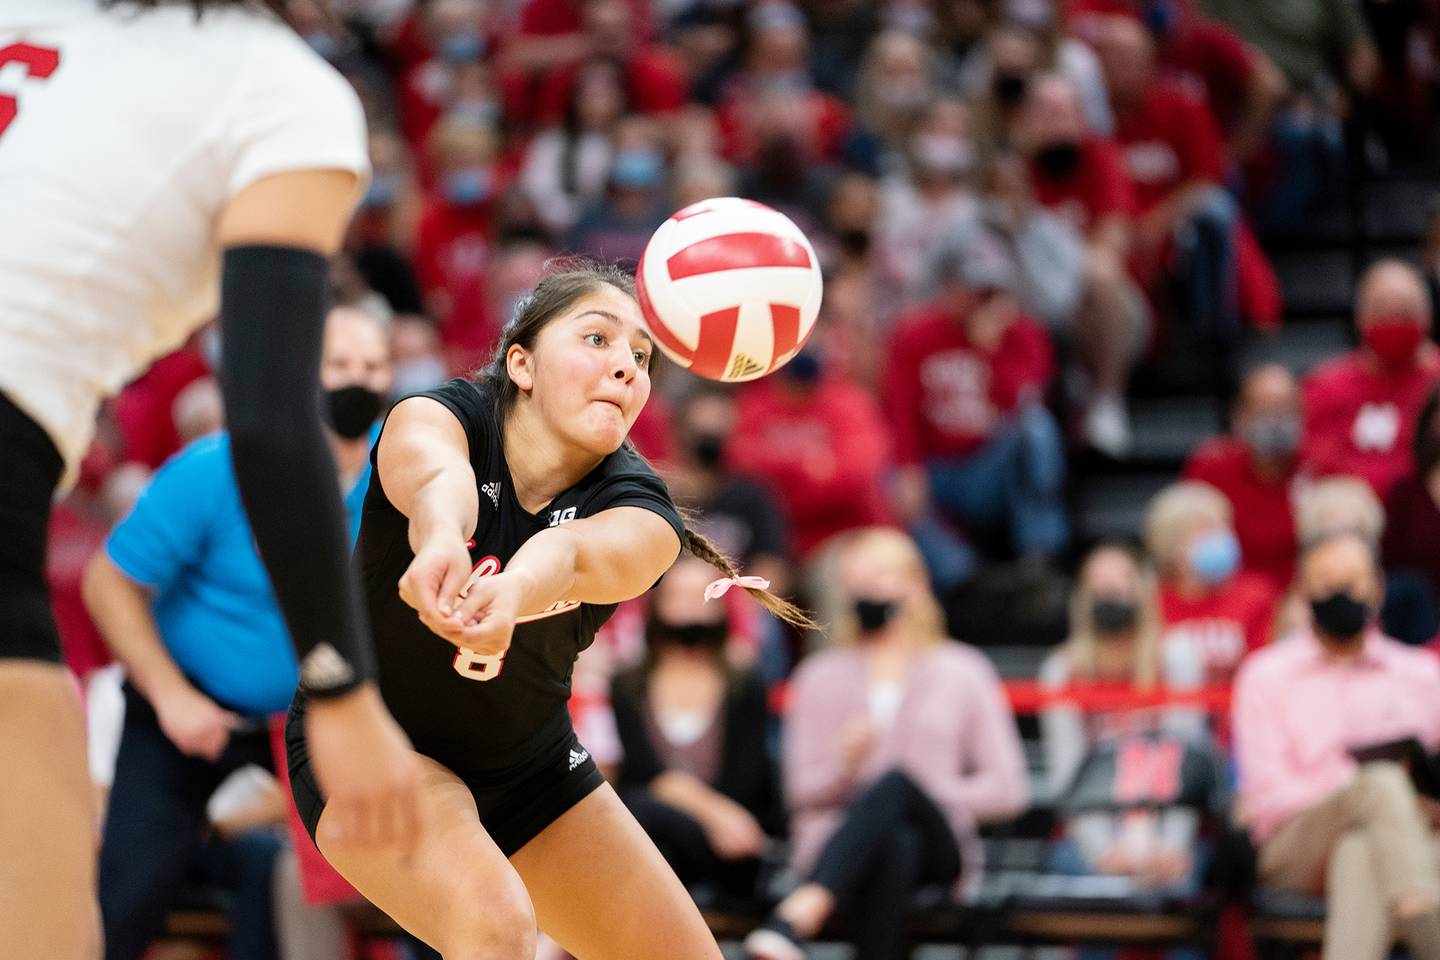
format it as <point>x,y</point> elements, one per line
<point>842,31</point>
<point>1306,40</point>
<point>1412,510</point>
<point>997,72</point>
<point>898,81</point>
<point>696,772</point>
<point>1135,785</point>
<point>78,526</point>
<point>651,78</point>
<point>635,201</point>
<point>739,516</point>
<point>144,411</point>
<point>443,67</point>
<point>1081,178</point>
<point>819,443</point>
<point>898,744</point>
<point>1324,822</point>
<point>418,359</point>
<point>382,234</point>
<point>1206,601</point>
<point>566,166</point>
<point>1239,83</point>
<point>1361,408</point>
<point>1256,467</point>
<point>964,389</point>
<point>1114,646</point>
<point>922,202</point>
<point>1189,228</point>
<point>771,112</point>
<point>182,600</point>
<point>455,235</point>
<point>1347,506</point>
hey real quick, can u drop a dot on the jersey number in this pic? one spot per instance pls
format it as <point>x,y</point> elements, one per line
<point>468,663</point>
<point>39,62</point>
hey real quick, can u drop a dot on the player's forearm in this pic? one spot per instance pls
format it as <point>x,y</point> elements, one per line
<point>120,608</point>
<point>444,508</point>
<point>545,565</point>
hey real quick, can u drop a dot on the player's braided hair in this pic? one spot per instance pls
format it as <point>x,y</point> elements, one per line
<point>565,281</point>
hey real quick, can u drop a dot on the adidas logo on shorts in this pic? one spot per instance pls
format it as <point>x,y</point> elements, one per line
<point>578,757</point>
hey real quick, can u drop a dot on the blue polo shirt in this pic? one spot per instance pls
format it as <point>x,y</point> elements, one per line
<point>189,541</point>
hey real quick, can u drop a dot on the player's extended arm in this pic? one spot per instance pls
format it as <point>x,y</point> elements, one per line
<point>277,235</point>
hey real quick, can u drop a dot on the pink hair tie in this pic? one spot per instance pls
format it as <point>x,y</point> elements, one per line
<point>722,586</point>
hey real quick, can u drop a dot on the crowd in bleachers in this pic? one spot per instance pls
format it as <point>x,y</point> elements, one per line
<point>1018,206</point>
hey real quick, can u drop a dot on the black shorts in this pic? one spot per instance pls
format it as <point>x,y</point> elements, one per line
<point>30,470</point>
<point>515,802</point>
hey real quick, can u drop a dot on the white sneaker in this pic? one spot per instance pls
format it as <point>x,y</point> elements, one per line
<point>1107,426</point>
<point>766,944</point>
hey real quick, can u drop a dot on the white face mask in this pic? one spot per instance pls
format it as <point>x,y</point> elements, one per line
<point>417,375</point>
<point>936,153</point>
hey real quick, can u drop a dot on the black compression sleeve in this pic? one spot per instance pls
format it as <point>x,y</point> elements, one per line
<point>272,310</point>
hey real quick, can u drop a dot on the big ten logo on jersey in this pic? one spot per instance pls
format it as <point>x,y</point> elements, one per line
<point>18,62</point>
<point>558,517</point>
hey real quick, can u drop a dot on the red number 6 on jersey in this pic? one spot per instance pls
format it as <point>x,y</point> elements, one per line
<point>39,62</point>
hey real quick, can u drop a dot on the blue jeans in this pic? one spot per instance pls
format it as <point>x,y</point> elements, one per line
<point>1205,247</point>
<point>1311,151</point>
<point>1017,477</point>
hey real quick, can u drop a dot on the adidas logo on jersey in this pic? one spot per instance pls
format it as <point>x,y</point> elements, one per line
<point>578,757</point>
<point>492,490</point>
<point>324,668</point>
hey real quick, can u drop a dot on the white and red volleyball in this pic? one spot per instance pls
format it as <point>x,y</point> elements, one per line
<point>729,288</point>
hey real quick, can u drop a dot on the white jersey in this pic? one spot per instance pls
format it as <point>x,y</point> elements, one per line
<point>123,134</point>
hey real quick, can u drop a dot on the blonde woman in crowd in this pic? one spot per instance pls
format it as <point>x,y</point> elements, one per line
<point>1114,648</point>
<point>898,744</point>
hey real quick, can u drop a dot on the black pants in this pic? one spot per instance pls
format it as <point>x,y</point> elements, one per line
<point>157,838</point>
<point>893,841</point>
<point>685,847</point>
<point>30,469</point>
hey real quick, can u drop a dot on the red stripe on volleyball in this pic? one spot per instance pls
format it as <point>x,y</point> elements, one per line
<point>786,321</point>
<point>737,251</point>
<point>658,329</point>
<point>717,342</point>
<point>707,206</point>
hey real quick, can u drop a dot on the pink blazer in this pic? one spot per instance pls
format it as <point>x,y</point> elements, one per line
<point>954,735</point>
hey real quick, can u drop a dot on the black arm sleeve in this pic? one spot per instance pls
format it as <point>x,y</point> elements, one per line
<point>272,311</point>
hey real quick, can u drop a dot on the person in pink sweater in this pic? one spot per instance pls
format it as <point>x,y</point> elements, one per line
<point>898,744</point>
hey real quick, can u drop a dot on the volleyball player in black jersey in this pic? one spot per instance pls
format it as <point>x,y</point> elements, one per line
<point>505,519</point>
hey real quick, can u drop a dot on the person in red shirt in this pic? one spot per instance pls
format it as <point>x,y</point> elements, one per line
<point>1081,177</point>
<point>454,237</point>
<point>1207,603</point>
<point>654,79</point>
<point>1240,84</point>
<point>1256,468</point>
<point>1188,225</point>
<point>819,443</point>
<point>144,411</point>
<point>1361,408</point>
<point>963,389</point>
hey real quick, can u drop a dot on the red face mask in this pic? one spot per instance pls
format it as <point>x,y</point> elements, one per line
<point>1394,338</point>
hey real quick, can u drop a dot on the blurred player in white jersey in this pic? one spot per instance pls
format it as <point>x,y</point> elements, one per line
<point>161,160</point>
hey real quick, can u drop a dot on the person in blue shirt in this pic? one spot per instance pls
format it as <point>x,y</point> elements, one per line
<point>183,602</point>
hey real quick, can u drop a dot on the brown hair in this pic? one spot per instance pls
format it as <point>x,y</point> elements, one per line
<point>565,281</point>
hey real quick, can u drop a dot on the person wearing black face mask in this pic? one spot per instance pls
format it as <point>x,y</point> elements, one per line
<point>202,681</point>
<point>692,730</point>
<point>739,515</point>
<point>1325,817</point>
<point>897,743</point>
<point>1412,508</point>
<point>1114,646</point>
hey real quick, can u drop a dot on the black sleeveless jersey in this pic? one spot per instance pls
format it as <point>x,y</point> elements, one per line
<point>466,710</point>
